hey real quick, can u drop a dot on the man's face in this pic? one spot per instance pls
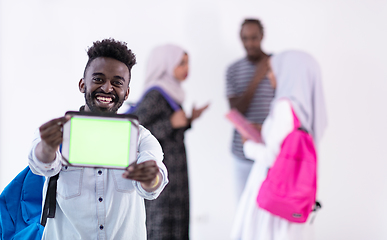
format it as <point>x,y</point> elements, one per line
<point>105,85</point>
<point>251,37</point>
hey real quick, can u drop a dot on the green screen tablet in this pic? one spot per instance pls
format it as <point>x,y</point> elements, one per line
<point>92,140</point>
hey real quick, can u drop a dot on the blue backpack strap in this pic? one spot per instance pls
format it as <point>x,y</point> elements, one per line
<point>170,101</point>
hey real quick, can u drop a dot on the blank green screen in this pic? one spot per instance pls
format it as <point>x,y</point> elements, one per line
<point>99,142</point>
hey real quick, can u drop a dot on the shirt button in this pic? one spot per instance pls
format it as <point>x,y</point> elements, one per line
<point>101,227</point>
<point>100,199</point>
<point>99,172</point>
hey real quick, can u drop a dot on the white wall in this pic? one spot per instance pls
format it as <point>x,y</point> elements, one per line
<point>43,53</point>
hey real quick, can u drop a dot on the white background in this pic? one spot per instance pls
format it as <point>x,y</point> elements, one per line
<point>43,53</point>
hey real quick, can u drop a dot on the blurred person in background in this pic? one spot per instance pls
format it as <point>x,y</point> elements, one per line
<point>249,91</point>
<point>160,111</point>
<point>297,78</point>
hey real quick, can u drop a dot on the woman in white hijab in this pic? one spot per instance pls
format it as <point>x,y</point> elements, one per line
<point>297,79</point>
<point>160,111</point>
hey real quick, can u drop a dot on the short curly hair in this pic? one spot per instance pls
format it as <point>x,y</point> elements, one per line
<point>253,21</point>
<point>112,49</point>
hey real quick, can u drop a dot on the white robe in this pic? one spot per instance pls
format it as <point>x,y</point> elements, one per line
<point>252,222</point>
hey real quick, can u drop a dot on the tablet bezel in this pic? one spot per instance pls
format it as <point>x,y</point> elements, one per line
<point>134,134</point>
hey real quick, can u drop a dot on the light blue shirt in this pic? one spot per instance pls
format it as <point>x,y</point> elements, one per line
<point>98,203</point>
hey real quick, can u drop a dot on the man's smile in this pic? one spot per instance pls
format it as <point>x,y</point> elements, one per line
<point>105,99</point>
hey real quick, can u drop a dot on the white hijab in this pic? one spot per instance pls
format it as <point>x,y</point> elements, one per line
<point>299,80</point>
<point>160,71</point>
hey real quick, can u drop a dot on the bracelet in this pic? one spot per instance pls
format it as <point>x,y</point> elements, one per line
<point>157,181</point>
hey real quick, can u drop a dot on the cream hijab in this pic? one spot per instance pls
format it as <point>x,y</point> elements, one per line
<point>299,80</point>
<point>161,65</point>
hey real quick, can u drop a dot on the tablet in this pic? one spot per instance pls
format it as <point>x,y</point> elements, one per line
<point>100,140</point>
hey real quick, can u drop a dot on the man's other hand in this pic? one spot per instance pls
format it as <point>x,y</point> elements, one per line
<point>147,173</point>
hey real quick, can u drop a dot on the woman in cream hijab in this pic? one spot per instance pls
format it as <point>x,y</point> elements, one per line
<point>160,111</point>
<point>297,79</point>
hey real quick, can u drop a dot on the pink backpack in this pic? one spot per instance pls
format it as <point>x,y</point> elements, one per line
<point>289,190</point>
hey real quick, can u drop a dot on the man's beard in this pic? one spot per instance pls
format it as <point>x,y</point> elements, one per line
<point>255,56</point>
<point>90,97</point>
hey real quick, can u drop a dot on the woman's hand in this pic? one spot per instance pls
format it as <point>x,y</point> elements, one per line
<point>257,126</point>
<point>196,112</point>
<point>254,125</point>
<point>179,119</point>
<point>243,139</point>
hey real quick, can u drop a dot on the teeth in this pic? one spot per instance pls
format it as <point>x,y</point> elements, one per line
<point>104,99</point>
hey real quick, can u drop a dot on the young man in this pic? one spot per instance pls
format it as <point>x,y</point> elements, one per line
<point>249,91</point>
<point>98,203</point>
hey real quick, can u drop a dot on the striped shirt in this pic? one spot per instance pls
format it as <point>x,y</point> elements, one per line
<point>239,75</point>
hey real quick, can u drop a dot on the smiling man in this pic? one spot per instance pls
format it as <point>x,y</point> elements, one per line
<point>105,93</point>
<point>98,203</point>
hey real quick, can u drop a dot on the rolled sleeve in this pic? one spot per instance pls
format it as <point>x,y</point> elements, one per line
<point>149,149</point>
<point>40,168</point>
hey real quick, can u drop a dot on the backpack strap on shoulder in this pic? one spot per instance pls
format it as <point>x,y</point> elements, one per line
<point>297,123</point>
<point>50,201</point>
<point>303,129</point>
